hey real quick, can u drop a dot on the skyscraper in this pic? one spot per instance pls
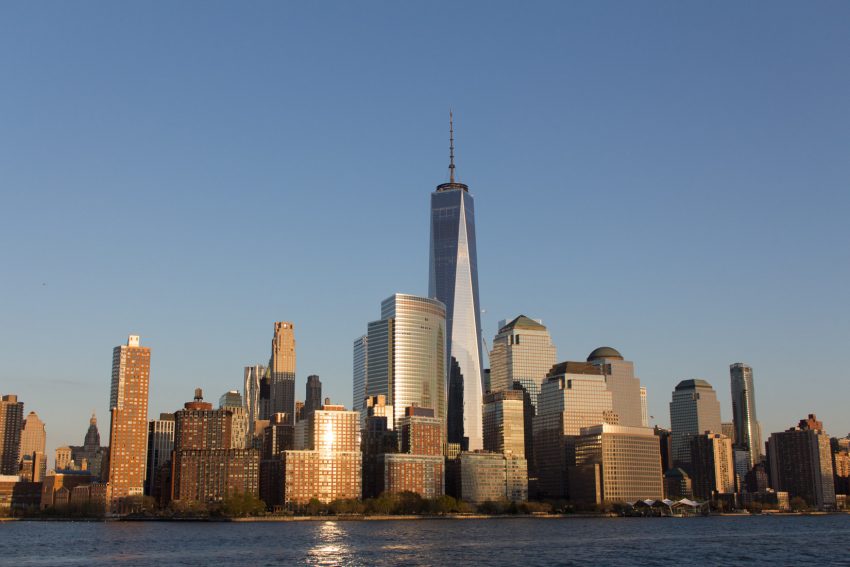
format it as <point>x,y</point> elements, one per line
<point>406,355</point>
<point>11,417</point>
<point>128,429</point>
<point>33,439</point>
<point>358,392</point>
<point>521,357</point>
<point>251,392</point>
<point>504,423</point>
<point>313,399</point>
<point>574,396</point>
<point>160,445</point>
<point>282,364</point>
<point>624,386</point>
<point>241,429</point>
<point>712,464</point>
<point>747,433</point>
<point>694,410</point>
<point>453,280</point>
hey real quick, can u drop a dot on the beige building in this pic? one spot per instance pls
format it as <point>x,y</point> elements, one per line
<point>240,433</point>
<point>522,356</point>
<point>627,395</point>
<point>128,430</point>
<point>33,440</point>
<point>63,460</point>
<point>495,477</point>
<point>11,418</point>
<point>712,465</point>
<point>504,423</point>
<point>282,371</point>
<point>574,396</point>
<point>615,463</point>
<point>327,461</point>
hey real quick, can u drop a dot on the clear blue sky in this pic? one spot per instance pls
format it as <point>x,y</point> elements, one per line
<point>670,179</point>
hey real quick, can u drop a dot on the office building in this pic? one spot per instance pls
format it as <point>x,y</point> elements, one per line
<point>406,355</point>
<point>615,463</point>
<point>453,280</point>
<point>665,442</point>
<point>712,465</point>
<point>282,376</point>
<point>626,397</point>
<point>694,410</point>
<point>677,484</point>
<point>574,396</point>
<point>33,440</point>
<point>360,372</point>
<point>313,399</point>
<point>160,446</point>
<point>11,419</point>
<point>727,428</point>
<point>521,357</point>
<point>128,429</point>
<point>504,422</point>
<point>801,463</point>
<point>747,431</point>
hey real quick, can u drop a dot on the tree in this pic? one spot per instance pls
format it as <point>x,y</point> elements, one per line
<point>242,504</point>
<point>799,504</point>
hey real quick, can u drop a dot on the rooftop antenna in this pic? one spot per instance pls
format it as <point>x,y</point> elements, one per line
<point>451,148</point>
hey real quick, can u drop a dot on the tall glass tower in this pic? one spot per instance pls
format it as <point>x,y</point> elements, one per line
<point>747,433</point>
<point>453,280</point>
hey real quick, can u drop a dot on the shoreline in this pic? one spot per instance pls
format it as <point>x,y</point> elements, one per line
<point>409,517</point>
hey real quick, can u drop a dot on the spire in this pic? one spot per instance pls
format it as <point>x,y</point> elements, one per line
<point>451,148</point>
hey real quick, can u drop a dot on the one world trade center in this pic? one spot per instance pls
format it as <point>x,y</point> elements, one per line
<point>453,279</point>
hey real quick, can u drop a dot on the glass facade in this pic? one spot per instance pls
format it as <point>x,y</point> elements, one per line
<point>694,410</point>
<point>358,394</point>
<point>747,433</point>
<point>406,358</point>
<point>453,280</point>
<point>522,353</point>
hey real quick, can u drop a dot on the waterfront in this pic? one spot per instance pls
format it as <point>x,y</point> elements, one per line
<point>766,540</point>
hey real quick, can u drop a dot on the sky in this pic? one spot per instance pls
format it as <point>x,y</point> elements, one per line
<point>666,178</point>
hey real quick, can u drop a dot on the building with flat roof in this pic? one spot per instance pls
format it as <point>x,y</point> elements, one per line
<point>801,463</point>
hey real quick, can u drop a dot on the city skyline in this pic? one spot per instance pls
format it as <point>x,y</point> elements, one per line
<point>743,193</point>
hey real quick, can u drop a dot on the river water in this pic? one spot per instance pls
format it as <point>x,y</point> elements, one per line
<point>763,540</point>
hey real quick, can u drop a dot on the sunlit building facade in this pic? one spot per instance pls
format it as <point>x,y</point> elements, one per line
<point>282,375</point>
<point>406,355</point>
<point>128,430</point>
<point>801,463</point>
<point>615,463</point>
<point>713,465</point>
<point>504,422</point>
<point>627,396</point>
<point>521,357</point>
<point>492,476</point>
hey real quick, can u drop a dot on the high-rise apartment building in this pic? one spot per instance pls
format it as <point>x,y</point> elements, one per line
<point>521,357</point>
<point>282,365</point>
<point>504,422</point>
<point>628,402</point>
<point>327,461</point>
<point>694,410</point>
<point>747,431</point>
<point>489,476</point>
<point>313,399</point>
<point>574,396</point>
<point>206,467</point>
<point>453,280</point>
<point>712,464</point>
<point>241,430</point>
<point>11,418</point>
<point>160,446</point>
<point>251,392</point>
<point>406,355</point>
<point>33,440</point>
<point>416,464</point>
<point>801,463</point>
<point>358,392</point>
<point>128,429</point>
<point>615,463</point>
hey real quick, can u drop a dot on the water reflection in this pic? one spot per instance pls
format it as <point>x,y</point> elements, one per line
<point>330,546</point>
